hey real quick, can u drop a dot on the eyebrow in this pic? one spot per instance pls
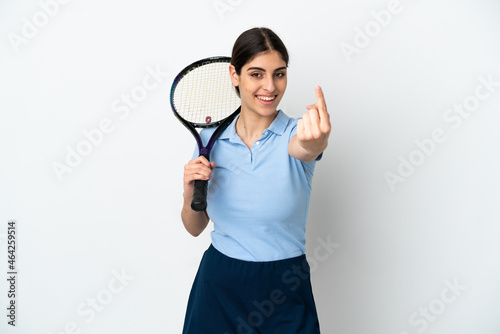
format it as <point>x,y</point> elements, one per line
<point>263,70</point>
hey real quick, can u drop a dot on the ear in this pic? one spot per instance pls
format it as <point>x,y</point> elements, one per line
<point>235,78</point>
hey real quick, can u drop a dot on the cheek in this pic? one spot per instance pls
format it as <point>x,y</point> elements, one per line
<point>283,84</point>
<point>248,87</point>
<point>280,84</point>
<point>246,93</point>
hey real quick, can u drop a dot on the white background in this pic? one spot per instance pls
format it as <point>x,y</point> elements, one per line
<point>117,211</point>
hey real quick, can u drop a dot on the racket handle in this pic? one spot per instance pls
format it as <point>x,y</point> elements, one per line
<point>199,202</point>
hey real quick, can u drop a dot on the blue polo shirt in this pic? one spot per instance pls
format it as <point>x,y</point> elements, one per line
<point>258,198</point>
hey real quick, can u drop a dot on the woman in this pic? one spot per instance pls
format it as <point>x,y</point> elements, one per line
<point>254,278</point>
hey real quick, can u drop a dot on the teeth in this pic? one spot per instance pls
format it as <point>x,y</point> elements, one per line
<point>266,98</point>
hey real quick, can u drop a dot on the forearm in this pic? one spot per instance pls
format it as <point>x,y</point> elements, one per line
<point>194,222</point>
<point>311,153</point>
<point>197,169</point>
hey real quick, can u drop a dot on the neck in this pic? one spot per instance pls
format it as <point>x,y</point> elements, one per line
<point>251,125</point>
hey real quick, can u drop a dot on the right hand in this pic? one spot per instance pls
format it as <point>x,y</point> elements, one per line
<point>196,169</point>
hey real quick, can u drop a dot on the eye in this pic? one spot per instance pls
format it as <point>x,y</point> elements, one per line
<point>256,74</point>
<point>280,74</point>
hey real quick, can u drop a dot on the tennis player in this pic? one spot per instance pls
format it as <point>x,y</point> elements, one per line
<point>254,277</point>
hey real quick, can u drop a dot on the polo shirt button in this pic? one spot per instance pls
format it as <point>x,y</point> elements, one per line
<point>258,142</point>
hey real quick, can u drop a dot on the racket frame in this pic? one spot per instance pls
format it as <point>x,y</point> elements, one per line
<point>200,188</point>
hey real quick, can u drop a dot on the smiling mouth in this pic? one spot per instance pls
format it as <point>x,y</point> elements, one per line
<point>266,98</point>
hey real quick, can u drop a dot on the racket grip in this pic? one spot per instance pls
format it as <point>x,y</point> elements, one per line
<point>199,201</point>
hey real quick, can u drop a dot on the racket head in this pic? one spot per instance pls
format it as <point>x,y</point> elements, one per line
<point>202,94</point>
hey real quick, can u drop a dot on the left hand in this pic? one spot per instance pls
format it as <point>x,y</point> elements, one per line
<point>314,128</point>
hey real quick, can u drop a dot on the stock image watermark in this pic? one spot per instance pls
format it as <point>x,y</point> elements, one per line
<point>12,272</point>
<point>222,7</point>
<point>293,278</point>
<point>121,107</point>
<point>95,304</point>
<point>31,26</point>
<point>454,117</point>
<point>364,35</point>
<point>420,319</point>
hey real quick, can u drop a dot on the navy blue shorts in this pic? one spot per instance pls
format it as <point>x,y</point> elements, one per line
<point>231,296</point>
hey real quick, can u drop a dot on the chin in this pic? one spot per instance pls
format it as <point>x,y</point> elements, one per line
<point>267,112</point>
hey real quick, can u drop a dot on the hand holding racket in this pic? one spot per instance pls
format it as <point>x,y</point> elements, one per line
<point>203,96</point>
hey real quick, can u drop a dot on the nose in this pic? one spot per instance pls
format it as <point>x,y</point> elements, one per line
<point>268,84</point>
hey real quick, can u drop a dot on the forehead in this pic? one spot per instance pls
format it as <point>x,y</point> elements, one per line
<point>267,60</point>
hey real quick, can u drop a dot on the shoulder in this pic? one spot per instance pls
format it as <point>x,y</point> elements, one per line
<point>206,133</point>
<point>290,128</point>
<point>283,125</point>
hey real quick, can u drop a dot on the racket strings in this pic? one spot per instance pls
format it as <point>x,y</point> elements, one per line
<point>206,94</point>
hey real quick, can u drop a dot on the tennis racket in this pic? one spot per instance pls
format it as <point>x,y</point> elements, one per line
<point>203,96</point>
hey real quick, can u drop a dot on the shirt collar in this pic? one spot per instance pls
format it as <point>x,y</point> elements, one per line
<point>278,126</point>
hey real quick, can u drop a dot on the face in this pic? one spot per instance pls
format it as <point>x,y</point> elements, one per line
<point>262,83</point>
